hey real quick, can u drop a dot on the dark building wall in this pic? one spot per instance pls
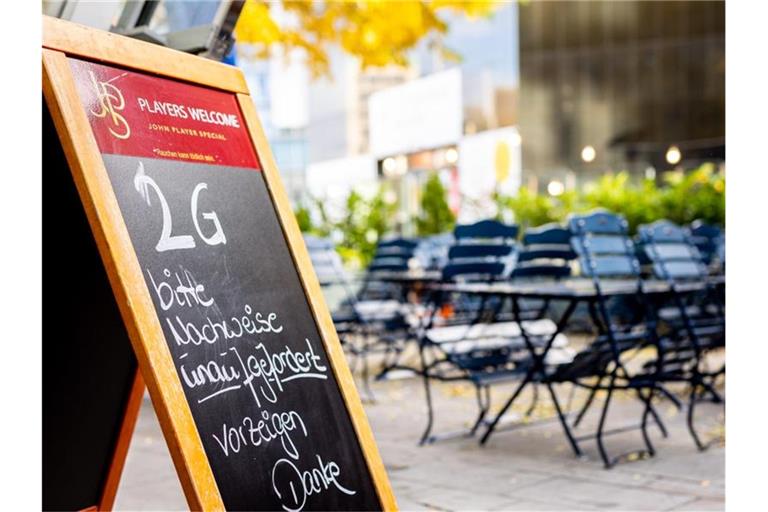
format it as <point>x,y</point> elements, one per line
<point>629,78</point>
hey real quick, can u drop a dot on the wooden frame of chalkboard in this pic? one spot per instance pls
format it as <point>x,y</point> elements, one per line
<point>64,40</point>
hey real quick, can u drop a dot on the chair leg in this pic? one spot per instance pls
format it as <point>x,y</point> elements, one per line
<point>653,412</point>
<point>691,406</point>
<point>430,412</point>
<point>587,404</point>
<point>664,391</point>
<point>569,405</point>
<point>535,400</point>
<point>564,422</point>
<point>484,405</point>
<point>644,424</point>
<point>716,398</point>
<point>601,426</point>
<point>504,409</point>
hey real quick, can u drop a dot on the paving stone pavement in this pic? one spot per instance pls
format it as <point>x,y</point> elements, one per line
<point>531,468</point>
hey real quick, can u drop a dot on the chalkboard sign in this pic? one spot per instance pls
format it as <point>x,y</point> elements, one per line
<point>214,283</point>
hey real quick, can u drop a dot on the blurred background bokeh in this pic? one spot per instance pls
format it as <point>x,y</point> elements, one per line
<point>402,118</point>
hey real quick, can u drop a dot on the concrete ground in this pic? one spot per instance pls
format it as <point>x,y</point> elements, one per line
<point>527,469</point>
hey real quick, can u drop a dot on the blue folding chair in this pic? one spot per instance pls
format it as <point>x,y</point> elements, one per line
<point>710,241</point>
<point>383,309</point>
<point>606,253</point>
<point>371,317</point>
<point>458,343</point>
<point>696,320</point>
<point>474,341</point>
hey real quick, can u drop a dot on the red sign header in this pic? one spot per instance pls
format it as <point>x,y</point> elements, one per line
<point>135,114</point>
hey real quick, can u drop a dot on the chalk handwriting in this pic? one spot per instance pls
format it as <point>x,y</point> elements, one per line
<point>142,182</point>
<point>210,331</point>
<point>263,372</point>
<point>294,486</point>
<point>272,370</point>
<point>268,428</point>
<point>187,292</point>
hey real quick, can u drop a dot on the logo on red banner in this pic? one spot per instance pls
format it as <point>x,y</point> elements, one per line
<point>135,114</point>
<point>112,102</point>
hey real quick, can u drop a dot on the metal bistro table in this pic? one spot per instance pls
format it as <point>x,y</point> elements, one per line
<point>572,292</point>
<point>410,280</point>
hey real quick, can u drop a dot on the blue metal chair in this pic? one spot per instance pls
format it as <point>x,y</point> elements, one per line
<point>484,251</point>
<point>606,253</point>
<point>458,343</point>
<point>475,342</point>
<point>710,241</point>
<point>600,242</point>
<point>544,256</point>
<point>696,320</point>
<point>383,307</point>
<point>371,317</point>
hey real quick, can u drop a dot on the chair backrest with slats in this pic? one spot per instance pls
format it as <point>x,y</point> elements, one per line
<point>483,251</point>
<point>485,231</point>
<point>706,237</point>
<point>600,241</point>
<point>671,252</point>
<point>393,255</point>
<point>606,252</point>
<point>546,252</point>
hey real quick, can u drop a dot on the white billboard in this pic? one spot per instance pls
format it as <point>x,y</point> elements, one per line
<point>422,114</point>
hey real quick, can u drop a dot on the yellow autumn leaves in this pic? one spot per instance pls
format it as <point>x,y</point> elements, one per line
<point>378,32</point>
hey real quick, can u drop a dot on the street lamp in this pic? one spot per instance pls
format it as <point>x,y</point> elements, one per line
<point>673,155</point>
<point>389,165</point>
<point>588,154</point>
<point>555,188</point>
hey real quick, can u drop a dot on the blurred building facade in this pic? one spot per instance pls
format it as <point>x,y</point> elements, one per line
<point>399,126</point>
<point>279,92</point>
<point>445,123</point>
<point>338,106</point>
<point>613,85</point>
<point>339,158</point>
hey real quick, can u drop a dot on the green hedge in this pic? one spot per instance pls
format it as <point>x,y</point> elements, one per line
<point>682,198</point>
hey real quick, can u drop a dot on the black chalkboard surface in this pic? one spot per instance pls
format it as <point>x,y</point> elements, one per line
<point>264,399</point>
<point>88,363</point>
